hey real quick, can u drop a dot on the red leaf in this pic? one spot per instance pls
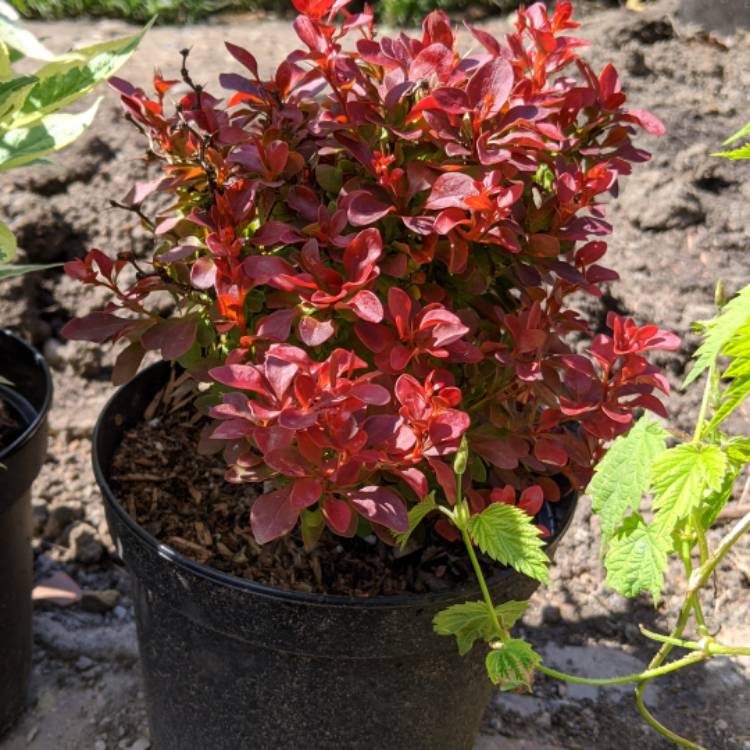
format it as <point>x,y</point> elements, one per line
<point>96,327</point>
<point>435,59</point>
<point>287,461</point>
<point>127,363</point>
<point>243,56</point>
<point>364,209</point>
<point>445,477</point>
<point>415,479</point>
<point>382,506</point>
<point>244,377</point>
<point>491,85</point>
<point>173,337</point>
<point>366,306</point>
<point>338,513</point>
<point>232,429</point>
<point>273,515</point>
<point>650,123</point>
<point>314,332</point>
<point>305,492</point>
<point>277,326</point>
<point>449,191</point>
<point>203,273</point>
<point>371,393</point>
<point>550,452</point>
<point>277,233</point>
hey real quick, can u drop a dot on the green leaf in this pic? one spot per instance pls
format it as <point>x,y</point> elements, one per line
<point>680,477</point>
<point>471,621</point>
<point>14,35</point>
<point>622,476</point>
<point>416,515</point>
<point>737,391</point>
<point>21,146</point>
<point>637,558</point>
<point>468,622</point>
<point>9,272</point>
<point>511,664</point>
<point>741,133</point>
<point>508,535</point>
<point>510,612</point>
<point>8,244</point>
<point>13,93</point>
<point>73,75</point>
<point>737,450</point>
<point>743,152</point>
<point>719,331</point>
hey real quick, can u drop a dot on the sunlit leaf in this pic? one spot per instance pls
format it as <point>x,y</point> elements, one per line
<point>23,145</point>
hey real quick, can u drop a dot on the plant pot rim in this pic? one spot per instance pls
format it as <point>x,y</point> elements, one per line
<point>40,413</point>
<point>459,592</point>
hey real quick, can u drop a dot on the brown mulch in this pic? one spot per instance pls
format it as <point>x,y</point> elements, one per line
<point>181,498</point>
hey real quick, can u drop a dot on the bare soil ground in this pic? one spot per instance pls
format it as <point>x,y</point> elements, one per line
<point>680,223</point>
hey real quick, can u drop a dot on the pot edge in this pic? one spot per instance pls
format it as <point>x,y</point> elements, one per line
<point>41,413</point>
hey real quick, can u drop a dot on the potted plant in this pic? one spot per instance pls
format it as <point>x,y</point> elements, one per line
<point>30,129</point>
<point>361,292</point>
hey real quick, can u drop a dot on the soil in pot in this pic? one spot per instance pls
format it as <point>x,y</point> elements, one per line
<point>180,497</point>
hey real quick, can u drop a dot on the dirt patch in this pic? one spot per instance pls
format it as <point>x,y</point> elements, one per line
<point>680,223</point>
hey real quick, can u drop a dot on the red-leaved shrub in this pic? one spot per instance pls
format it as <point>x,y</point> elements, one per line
<point>371,255</point>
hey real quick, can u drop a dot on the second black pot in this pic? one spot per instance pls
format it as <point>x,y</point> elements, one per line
<point>29,400</point>
<point>230,664</point>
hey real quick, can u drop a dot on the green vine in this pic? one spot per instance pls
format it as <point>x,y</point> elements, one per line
<point>688,484</point>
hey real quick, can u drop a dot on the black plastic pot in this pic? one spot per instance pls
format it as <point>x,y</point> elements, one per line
<point>29,400</point>
<point>229,664</point>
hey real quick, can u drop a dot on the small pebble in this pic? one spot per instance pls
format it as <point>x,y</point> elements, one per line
<point>83,663</point>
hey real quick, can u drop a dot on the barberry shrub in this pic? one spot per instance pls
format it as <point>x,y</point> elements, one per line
<point>373,255</point>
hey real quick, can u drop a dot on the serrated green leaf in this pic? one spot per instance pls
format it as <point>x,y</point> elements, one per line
<point>8,244</point>
<point>15,36</point>
<point>622,476</point>
<point>511,665</point>
<point>510,612</point>
<point>73,75</point>
<point>21,146</point>
<point>719,331</point>
<point>471,621</point>
<point>680,477</point>
<point>637,558</point>
<point>9,272</point>
<point>467,622</point>
<point>737,391</point>
<point>508,535</point>
<point>737,450</point>
<point>417,513</point>
<point>715,501</point>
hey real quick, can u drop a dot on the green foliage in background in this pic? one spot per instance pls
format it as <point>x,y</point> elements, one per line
<point>395,12</point>
<point>411,12</point>
<point>140,11</point>
<point>31,126</point>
